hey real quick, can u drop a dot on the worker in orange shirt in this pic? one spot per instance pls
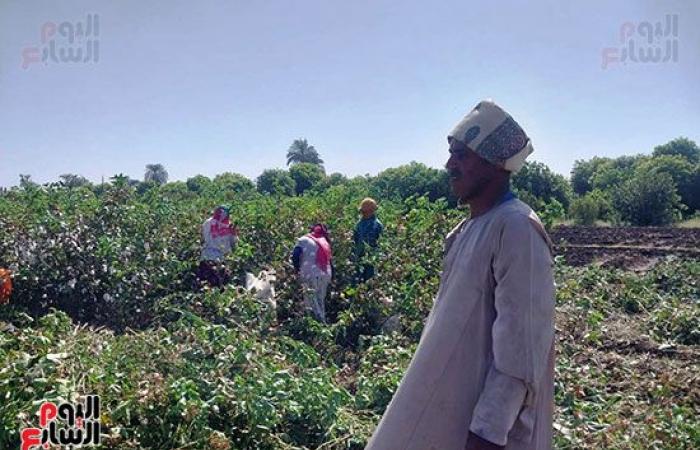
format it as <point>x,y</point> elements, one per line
<point>5,285</point>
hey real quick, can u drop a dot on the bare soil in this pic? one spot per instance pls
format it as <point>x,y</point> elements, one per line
<point>632,248</point>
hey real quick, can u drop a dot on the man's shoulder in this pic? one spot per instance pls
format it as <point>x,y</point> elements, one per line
<point>515,211</point>
<point>518,215</point>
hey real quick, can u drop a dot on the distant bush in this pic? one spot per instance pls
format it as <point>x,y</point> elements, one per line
<point>595,205</point>
<point>232,182</point>
<point>583,171</point>
<point>198,183</point>
<point>411,179</point>
<point>306,176</point>
<point>647,199</point>
<point>683,173</point>
<point>72,180</point>
<point>584,210</point>
<point>551,212</point>
<point>334,179</point>
<point>680,146</point>
<point>679,158</point>
<point>539,181</point>
<point>276,182</point>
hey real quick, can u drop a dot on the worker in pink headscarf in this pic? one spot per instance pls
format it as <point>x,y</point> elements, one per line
<point>220,237</point>
<point>312,257</point>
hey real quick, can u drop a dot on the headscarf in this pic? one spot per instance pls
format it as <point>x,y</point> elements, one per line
<point>220,224</point>
<point>319,234</point>
<point>493,134</point>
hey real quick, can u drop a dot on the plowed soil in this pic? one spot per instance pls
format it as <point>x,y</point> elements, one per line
<point>632,248</point>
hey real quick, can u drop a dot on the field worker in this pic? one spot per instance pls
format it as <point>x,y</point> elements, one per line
<point>219,237</point>
<point>312,259</point>
<point>5,285</point>
<point>482,376</point>
<point>367,232</point>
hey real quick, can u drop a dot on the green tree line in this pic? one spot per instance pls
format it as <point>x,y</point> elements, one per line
<point>645,189</point>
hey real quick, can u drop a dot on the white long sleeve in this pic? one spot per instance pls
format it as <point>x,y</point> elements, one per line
<point>498,407</point>
<point>522,332</point>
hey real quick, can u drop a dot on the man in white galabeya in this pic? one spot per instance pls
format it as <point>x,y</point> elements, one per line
<point>482,376</point>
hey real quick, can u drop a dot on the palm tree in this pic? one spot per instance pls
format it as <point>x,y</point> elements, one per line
<point>120,180</point>
<point>25,182</point>
<point>156,173</point>
<point>71,180</point>
<point>301,152</point>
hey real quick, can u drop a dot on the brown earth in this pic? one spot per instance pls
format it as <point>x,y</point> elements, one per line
<point>633,248</point>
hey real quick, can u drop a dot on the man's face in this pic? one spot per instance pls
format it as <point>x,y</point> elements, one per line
<point>468,172</point>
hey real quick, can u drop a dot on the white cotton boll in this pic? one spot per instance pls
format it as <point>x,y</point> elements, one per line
<point>249,281</point>
<point>262,286</point>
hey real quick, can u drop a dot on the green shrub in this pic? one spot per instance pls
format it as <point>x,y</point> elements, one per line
<point>584,210</point>
<point>306,176</point>
<point>539,181</point>
<point>417,179</point>
<point>276,182</point>
<point>647,199</point>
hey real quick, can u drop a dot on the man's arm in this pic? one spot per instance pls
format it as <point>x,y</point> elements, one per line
<point>522,331</point>
<point>498,407</point>
<point>206,233</point>
<point>296,257</point>
<point>377,233</point>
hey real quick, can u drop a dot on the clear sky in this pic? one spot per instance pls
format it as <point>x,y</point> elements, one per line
<point>213,86</point>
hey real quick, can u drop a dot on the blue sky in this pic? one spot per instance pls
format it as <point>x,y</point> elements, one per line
<point>208,87</point>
